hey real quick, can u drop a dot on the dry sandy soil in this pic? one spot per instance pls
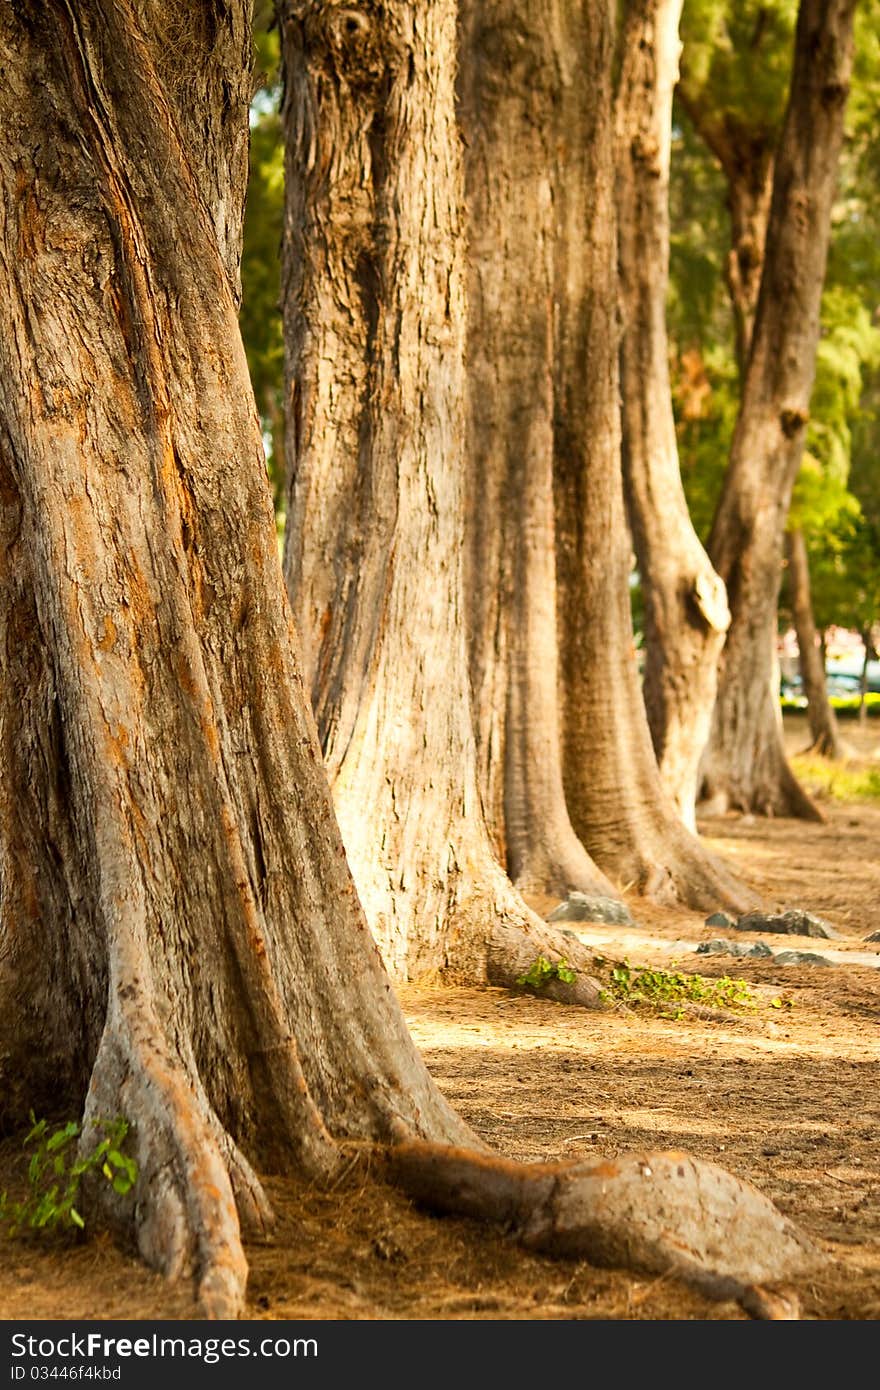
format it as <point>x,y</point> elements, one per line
<point>787,1097</point>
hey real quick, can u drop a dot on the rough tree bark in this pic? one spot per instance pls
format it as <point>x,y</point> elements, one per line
<point>180,940</point>
<point>744,765</point>
<point>820,714</point>
<point>374,311</point>
<point>686,613</point>
<point>514,62</point>
<point>612,783</point>
<point>169,859</point>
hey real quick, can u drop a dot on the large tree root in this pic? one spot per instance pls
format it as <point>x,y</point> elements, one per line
<point>194,1188</point>
<point>762,784</point>
<point>497,939</point>
<point>657,1212</point>
<point>683,872</point>
<point>192,1180</point>
<point>513,953</point>
<point>637,840</point>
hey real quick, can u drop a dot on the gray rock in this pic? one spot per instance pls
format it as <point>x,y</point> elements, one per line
<point>792,922</point>
<point>759,950</point>
<point>799,958</point>
<point>719,947</point>
<point>720,919</point>
<point>875,936</point>
<point>578,907</point>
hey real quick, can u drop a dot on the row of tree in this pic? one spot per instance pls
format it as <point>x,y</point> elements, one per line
<point>181,938</point>
<point>731,103</point>
<point>562,760</point>
<point>735,74</point>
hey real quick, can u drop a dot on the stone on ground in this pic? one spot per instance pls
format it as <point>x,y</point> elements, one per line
<point>792,922</point>
<point>580,907</point>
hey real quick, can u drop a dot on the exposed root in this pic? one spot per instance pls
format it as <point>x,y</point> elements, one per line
<point>827,745</point>
<point>557,868</point>
<point>183,1207</point>
<point>583,990</point>
<point>771,1305</point>
<point>647,848</point>
<point>194,1186</point>
<point>657,1212</point>
<point>501,941</point>
<point>767,787</point>
<point>689,875</point>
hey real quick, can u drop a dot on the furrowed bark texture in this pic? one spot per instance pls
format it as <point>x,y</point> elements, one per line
<point>514,64</point>
<point>744,765</point>
<point>374,303</point>
<point>180,938</point>
<point>615,798</point>
<point>820,714</point>
<point>686,613</point>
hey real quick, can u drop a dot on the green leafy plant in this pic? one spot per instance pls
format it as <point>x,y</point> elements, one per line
<point>55,1173</point>
<point>631,985</point>
<point>837,781</point>
<point>542,971</point>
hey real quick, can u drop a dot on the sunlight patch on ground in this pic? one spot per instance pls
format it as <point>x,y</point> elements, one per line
<point>767,852</point>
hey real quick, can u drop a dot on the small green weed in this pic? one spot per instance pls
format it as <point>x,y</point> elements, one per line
<point>542,971</point>
<point>630,985</point>
<point>55,1174</point>
<point>822,777</point>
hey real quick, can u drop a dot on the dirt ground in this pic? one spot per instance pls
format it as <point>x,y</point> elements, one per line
<point>787,1097</point>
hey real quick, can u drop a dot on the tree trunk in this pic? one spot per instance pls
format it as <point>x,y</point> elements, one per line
<point>744,765</point>
<point>746,155</point>
<point>612,783</point>
<point>374,306</point>
<point>747,158</point>
<point>823,722</point>
<point>169,859</point>
<point>273,414</point>
<point>513,65</point>
<point>180,940</point>
<point>863,678</point>
<point>686,614</point>
<point>750,191</point>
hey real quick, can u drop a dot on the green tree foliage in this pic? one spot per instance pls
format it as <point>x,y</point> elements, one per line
<point>845,558</point>
<point>735,62</point>
<point>848,350</point>
<point>736,56</point>
<point>704,375</point>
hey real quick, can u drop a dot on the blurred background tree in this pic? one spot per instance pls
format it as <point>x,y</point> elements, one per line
<point>735,68</point>
<point>736,62</point>
<point>261,264</point>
